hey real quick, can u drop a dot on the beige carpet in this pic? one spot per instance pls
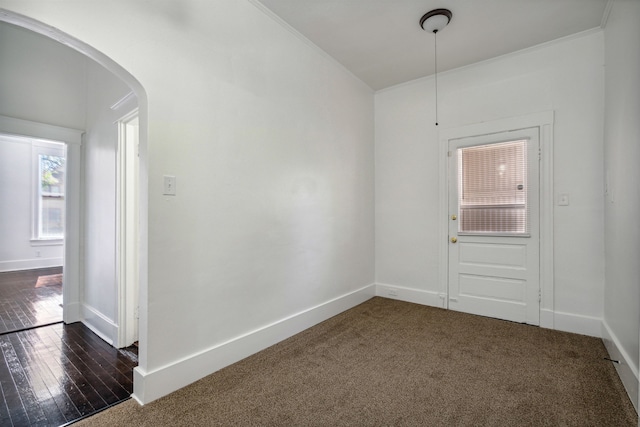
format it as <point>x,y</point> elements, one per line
<point>387,363</point>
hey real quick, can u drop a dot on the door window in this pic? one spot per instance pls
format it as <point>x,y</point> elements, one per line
<point>492,189</point>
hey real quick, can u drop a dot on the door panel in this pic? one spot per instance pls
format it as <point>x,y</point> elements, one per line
<point>492,287</point>
<point>493,196</point>
<point>497,254</point>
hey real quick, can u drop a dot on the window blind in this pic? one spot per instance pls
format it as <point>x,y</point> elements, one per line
<point>492,188</point>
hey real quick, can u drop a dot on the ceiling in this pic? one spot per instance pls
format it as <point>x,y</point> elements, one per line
<point>381,42</point>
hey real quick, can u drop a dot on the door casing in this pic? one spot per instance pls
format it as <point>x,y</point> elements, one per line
<point>127,229</point>
<point>72,138</point>
<point>544,121</point>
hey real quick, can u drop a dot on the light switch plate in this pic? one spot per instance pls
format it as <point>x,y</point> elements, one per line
<point>169,185</point>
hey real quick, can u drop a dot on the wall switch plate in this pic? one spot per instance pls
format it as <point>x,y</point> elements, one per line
<point>169,185</point>
<point>563,199</point>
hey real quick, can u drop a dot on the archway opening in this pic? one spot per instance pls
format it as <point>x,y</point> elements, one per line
<point>78,96</point>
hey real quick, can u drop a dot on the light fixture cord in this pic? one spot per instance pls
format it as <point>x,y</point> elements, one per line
<point>435,54</point>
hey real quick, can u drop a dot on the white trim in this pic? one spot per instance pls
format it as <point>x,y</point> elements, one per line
<point>39,148</point>
<point>627,368</point>
<point>547,290</point>
<point>72,138</point>
<point>73,311</point>
<point>77,45</point>
<point>546,318</point>
<point>443,209</point>
<point>417,296</point>
<point>605,18</point>
<point>542,120</point>
<point>29,264</point>
<point>149,386</point>
<point>73,233</point>
<point>126,233</point>
<point>575,323</point>
<point>133,114</point>
<point>46,242</point>
<point>530,49</point>
<point>121,253</point>
<point>128,97</point>
<point>19,127</point>
<point>100,324</point>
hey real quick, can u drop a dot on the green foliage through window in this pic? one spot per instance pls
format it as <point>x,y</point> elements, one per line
<point>51,204</point>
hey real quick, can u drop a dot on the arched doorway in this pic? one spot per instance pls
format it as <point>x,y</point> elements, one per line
<point>91,235</point>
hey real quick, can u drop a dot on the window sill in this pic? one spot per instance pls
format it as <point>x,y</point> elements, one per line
<point>47,242</point>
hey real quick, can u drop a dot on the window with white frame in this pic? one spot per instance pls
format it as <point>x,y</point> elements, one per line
<point>49,190</point>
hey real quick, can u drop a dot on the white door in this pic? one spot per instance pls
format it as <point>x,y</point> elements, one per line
<point>494,262</point>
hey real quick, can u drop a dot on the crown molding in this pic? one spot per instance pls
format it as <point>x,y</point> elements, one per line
<point>605,14</point>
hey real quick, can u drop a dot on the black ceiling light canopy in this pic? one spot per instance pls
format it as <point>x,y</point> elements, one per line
<point>435,20</point>
<point>432,22</point>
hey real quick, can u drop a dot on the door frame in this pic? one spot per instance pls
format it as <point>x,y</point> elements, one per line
<point>72,253</point>
<point>72,138</point>
<point>544,121</point>
<point>127,231</point>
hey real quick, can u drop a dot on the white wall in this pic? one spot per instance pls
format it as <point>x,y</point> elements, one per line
<point>100,296</point>
<point>622,201</point>
<point>17,178</point>
<point>271,146</point>
<point>42,81</point>
<point>271,229</point>
<point>564,76</point>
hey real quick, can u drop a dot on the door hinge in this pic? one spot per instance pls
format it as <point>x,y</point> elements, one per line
<point>539,296</point>
<point>539,153</point>
<point>448,153</point>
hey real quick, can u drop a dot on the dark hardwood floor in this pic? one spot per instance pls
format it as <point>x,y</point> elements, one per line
<point>54,374</point>
<point>26,301</point>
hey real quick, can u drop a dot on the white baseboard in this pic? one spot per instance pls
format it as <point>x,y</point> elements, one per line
<point>570,322</point>
<point>567,322</point>
<point>100,324</point>
<point>29,264</point>
<point>430,298</point>
<point>627,368</point>
<point>149,386</point>
<point>72,312</point>
<point>546,319</point>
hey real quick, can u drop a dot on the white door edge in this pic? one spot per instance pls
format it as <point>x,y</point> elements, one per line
<point>127,233</point>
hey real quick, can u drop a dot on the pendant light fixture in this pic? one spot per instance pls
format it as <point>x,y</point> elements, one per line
<point>433,22</point>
